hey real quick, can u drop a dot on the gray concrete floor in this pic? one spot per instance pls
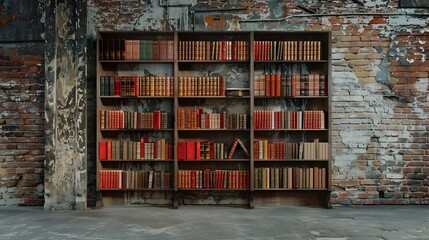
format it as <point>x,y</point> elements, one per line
<point>214,222</point>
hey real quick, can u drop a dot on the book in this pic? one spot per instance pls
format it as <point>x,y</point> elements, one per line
<point>233,147</point>
<point>243,147</point>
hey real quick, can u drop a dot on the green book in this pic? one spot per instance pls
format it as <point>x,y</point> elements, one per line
<point>111,86</point>
<point>102,85</point>
<point>142,49</point>
<point>148,50</point>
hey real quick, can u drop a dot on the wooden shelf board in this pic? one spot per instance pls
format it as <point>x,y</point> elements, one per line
<point>215,160</point>
<point>137,189</point>
<point>291,160</point>
<point>292,97</point>
<point>136,61</point>
<point>136,97</point>
<point>214,97</point>
<point>291,130</point>
<point>138,160</point>
<point>218,130</point>
<point>140,129</point>
<point>213,61</point>
<point>291,61</point>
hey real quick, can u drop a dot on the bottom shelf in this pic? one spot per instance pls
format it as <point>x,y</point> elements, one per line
<point>295,197</point>
<point>135,196</point>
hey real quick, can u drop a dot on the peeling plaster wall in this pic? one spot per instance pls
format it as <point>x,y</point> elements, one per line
<point>379,77</point>
<point>65,105</point>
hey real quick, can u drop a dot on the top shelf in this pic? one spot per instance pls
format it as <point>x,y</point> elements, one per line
<point>291,61</point>
<point>136,61</point>
<point>213,61</point>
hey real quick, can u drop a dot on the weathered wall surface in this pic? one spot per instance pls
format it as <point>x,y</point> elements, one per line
<point>379,79</point>
<point>379,76</point>
<point>65,105</point>
<point>20,20</point>
<point>22,81</point>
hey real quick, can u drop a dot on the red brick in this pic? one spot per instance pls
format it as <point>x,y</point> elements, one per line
<point>417,195</point>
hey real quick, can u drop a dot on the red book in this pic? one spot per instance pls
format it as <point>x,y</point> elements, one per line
<point>212,151</point>
<point>223,50</point>
<point>181,150</point>
<point>267,85</point>
<point>258,120</point>
<point>109,150</point>
<point>207,173</point>
<point>218,178</point>
<point>222,86</point>
<point>197,150</point>
<point>155,149</point>
<point>157,119</point>
<point>193,179</point>
<point>207,125</point>
<point>273,85</point>
<point>102,150</point>
<point>255,150</point>
<point>117,86</point>
<point>102,179</point>
<point>143,140</point>
<point>233,146</point>
<point>278,84</point>
<point>256,51</point>
<point>190,150</point>
<point>136,86</point>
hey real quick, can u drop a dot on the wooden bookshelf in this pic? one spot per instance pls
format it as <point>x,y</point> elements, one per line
<point>280,117</point>
<point>135,83</point>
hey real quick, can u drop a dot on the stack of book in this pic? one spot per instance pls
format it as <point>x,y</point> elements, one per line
<point>290,178</point>
<point>134,120</point>
<point>290,84</point>
<point>198,119</point>
<point>289,120</point>
<point>263,150</point>
<point>214,50</point>
<point>121,179</point>
<point>127,49</point>
<point>132,150</point>
<point>213,179</point>
<point>135,86</point>
<point>201,86</point>
<point>287,50</point>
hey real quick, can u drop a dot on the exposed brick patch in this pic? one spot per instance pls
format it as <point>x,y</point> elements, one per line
<point>22,126</point>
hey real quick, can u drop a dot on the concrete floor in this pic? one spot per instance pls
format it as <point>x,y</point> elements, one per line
<point>214,222</point>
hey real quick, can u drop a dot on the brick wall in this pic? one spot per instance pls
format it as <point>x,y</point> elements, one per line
<point>21,123</point>
<point>380,108</point>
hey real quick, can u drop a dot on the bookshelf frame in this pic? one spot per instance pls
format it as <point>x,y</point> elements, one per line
<point>177,65</point>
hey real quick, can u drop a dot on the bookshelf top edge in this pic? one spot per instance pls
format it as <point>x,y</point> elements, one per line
<point>220,31</point>
<point>209,33</point>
